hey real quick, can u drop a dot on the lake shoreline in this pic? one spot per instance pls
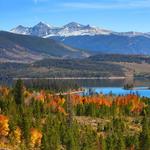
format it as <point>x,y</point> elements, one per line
<point>76,78</point>
<point>140,91</point>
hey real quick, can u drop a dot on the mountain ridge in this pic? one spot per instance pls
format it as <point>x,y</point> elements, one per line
<point>69,29</point>
<point>76,26</point>
<point>25,48</point>
<point>92,39</point>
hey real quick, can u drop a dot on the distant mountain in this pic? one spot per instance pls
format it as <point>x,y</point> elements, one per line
<point>112,44</point>
<point>92,39</point>
<point>25,48</point>
<point>70,29</point>
<point>21,30</point>
<point>41,29</point>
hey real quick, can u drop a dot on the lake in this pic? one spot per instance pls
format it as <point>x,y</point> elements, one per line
<point>116,87</point>
<point>105,86</point>
<point>118,91</point>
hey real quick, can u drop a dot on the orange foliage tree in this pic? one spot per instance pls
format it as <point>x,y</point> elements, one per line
<point>127,100</point>
<point>4,126</point>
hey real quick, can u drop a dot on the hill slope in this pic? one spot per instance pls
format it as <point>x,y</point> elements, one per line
<point>104,65</point>
<point>112,43</point>
<point>25,48</point>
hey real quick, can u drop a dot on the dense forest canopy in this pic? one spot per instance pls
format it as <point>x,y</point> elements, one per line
<point>42,119</point>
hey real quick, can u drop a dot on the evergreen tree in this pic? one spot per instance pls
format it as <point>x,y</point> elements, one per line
<point>120,143</point>
<point>69,110</point>
<point>145,135</point>
<point>132,141</point>
<point>51,139</point>
<point>110,142</point>
<point>71,144</point>
<point>26,126</point>
<point>18,92</point>
<point>45,143</point>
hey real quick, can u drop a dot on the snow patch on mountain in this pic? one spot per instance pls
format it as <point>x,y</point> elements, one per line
<point>21,30</point>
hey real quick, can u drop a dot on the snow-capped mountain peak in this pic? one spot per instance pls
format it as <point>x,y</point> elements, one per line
<point>42,25</point>
<point>71,29</point>
<point>20,30</point>
<point>73,25</point>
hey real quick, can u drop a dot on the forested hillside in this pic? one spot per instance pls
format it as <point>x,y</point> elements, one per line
<point>44,120</point>
<point>103,65</point>
<point>61,68</point>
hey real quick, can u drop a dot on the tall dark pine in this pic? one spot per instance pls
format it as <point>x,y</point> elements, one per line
<point>69,110</point>
<point>18,92</point>
<point>145,135</point>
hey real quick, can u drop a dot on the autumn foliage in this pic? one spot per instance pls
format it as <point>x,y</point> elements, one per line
<point>4,126</point>
<point>17,135</point>
<point>56,105</point>
<point>101,100</point>
<point>36,137</point>
<point>4,91</point>
<point>133,100</point>
<point>43,120</point>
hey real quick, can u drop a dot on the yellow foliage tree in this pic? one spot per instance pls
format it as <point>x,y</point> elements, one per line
<point>36,137</point>
<point>17,135</point>
<point>4,126</point>
<point>4,91</point>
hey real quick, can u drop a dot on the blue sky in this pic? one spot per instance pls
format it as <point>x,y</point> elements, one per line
<point>117,15</point>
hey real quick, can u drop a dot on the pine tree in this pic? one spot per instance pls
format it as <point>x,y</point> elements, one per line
<point>110,142</point>
<point>45,144</point>
<point>71,145</point>
<point>18,92</point>
<point>51,138</point>
<point>145,135</point>
<point>121,143</point>
<point>69,110</point>
<point>26,125</point>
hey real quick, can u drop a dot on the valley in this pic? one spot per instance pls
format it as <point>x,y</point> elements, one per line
<point>98,66</point>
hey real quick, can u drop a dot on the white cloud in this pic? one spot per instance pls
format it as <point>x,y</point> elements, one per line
<point>114,4</point>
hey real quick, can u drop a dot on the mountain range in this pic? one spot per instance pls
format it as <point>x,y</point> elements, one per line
<point>91,39</point>
<point>71,29</point>
<point>73,50</point>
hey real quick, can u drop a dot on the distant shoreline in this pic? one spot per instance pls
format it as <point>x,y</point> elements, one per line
<point>74,78</point>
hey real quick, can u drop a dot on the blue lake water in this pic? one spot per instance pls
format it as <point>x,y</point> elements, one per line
<point>104,86</point>
<point>119,91</point>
